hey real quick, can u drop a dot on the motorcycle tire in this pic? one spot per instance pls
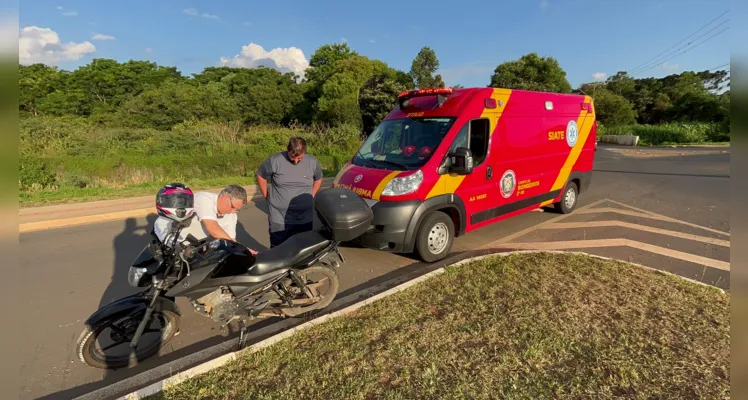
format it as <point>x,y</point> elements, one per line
<point>305,311</point>
<point>86,343</point>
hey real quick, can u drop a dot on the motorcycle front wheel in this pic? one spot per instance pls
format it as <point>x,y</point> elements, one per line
<point>107,344</point>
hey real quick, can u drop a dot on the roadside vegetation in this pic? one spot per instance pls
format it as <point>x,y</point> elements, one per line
<point>111,129</point>
<point>671,133</point>
<point>535,326</point>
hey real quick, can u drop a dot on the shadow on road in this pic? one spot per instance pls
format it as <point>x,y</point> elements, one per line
<point>243,237</point>
<point>127,245</point>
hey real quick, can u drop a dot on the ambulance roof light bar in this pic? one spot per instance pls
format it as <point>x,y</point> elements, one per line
<point>441,94</point>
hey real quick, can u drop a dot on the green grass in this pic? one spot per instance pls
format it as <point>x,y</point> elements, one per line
<point>68,194</point>
<point>64,160</point>
<point>672,133</point>
<point>530,326</point>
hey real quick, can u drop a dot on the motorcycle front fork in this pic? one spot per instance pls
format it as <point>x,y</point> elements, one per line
<point>143,324</point>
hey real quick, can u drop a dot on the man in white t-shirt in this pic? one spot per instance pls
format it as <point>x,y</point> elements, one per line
<point>216,215</point>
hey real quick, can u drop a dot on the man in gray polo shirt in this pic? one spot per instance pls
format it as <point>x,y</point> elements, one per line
<point>295,178</point>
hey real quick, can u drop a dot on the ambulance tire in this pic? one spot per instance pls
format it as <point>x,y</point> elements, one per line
<point>569,199</point>
<point>435,237</point>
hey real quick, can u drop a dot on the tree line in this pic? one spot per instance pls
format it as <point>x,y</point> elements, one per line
<point>341,87</point>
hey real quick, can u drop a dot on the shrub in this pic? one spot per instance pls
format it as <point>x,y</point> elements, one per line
<point>72,154</point>
<point>670,133</point>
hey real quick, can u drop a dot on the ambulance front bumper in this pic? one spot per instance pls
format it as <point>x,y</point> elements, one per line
<point>389,226</point>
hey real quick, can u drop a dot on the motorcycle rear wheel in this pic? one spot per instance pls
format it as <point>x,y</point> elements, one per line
<point>88,353</point>
<point>304,311</point>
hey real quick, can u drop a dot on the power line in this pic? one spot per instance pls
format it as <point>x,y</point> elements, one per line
<point>687,50</point>
<point>658,61</point>
<point>683,40</point>
<point>701,81</point>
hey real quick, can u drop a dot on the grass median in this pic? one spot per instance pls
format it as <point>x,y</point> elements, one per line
<point>523,326</point>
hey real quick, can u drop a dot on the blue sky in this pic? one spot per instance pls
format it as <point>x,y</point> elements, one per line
<point>470,37</point>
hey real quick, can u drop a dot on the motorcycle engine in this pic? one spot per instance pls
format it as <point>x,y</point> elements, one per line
<point>219,305</point>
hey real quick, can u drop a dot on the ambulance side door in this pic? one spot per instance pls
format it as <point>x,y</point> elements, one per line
<point>478,188</point>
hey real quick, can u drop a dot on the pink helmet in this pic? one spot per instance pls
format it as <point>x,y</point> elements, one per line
<point>175,201</point>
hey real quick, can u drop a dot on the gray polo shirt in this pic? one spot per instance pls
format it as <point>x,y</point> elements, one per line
<point>290,200</point>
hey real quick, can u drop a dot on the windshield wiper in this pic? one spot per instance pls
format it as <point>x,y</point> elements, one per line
<point>363,160</point>
<point>401,165</point>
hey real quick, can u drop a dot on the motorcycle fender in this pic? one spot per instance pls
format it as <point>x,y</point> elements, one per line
<point>128,304</point>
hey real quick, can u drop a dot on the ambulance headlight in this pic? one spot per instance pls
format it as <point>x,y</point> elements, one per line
<point>405,185</point>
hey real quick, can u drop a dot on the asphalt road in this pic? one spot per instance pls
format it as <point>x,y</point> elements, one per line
<point>66,274</point>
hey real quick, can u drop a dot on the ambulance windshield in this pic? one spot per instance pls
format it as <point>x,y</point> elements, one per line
<point>403,144</point>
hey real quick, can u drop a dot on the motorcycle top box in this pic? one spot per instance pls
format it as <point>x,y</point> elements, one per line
<point>344,213</point>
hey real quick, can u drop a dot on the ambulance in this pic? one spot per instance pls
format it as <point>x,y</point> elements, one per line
<point>447,161</point>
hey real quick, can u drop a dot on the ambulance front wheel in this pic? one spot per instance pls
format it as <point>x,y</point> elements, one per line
<point>569,199</point>
<point>435,237</point>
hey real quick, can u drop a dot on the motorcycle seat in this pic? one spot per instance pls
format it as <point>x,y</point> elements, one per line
<point>294,250</point>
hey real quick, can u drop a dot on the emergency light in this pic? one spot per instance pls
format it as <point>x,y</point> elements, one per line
<point>441,94</point>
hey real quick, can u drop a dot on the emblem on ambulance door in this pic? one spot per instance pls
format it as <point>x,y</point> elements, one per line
<point>357,179</point>
<point>572,133</point>
<point>508,182</point>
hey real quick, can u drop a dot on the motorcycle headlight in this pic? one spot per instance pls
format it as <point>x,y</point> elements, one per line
<point>404,185</point>
<point>135,275</point>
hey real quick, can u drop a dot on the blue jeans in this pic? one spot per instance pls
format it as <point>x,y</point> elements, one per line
<point>279,237</point>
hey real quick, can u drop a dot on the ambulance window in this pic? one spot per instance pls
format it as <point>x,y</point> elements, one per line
<point>479,133</point>
<point>461,140</point>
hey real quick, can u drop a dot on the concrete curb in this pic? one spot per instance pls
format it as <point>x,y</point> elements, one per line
<point>223,360</point>
<point>624,140</point>
<point>85,213</point>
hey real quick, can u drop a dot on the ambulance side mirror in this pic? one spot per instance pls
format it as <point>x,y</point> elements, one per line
<point>461,161</point>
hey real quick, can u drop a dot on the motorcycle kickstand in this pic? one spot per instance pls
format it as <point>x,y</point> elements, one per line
<point>242,333</point>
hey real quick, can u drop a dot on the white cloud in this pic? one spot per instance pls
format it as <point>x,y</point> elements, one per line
<point>372,40</point>
<point>101,36</point>
<point>148,50</point>
<point>343,40</point>
<point>70,13</point>
<point>670,66</point>
<point>544,4</point>
<point>193,12</point>
<point>59,8</point>
<point>247,23</point>
<point>599,76</point>
<point>289,59</point>
<point>43,45</point>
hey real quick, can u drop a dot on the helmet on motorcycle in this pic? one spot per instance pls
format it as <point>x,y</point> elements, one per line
<point>175,201</point>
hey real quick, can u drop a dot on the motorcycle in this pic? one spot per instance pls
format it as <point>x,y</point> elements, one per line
<point>224,281</point>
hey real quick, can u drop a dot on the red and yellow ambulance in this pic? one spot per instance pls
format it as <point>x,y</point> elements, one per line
<point>449,161</point>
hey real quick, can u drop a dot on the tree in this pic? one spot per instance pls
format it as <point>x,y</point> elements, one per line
<point>35,82</point>
<point>531,72</point>
<point>622,84</point>
<point>262,95</point>
<point>379,96</point>
<point>321,68</point>
<point>322,62</point>
<point>423,67</point>
<point>338,103</point>
<point>613,109</point>
<point>174,102</point>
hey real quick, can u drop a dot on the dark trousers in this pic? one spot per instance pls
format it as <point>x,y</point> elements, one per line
<point>289,230</point>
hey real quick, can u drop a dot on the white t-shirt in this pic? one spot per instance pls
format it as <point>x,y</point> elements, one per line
<point>206,208</point>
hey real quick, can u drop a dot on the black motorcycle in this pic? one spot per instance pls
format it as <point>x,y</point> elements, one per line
<point>224,281</point>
